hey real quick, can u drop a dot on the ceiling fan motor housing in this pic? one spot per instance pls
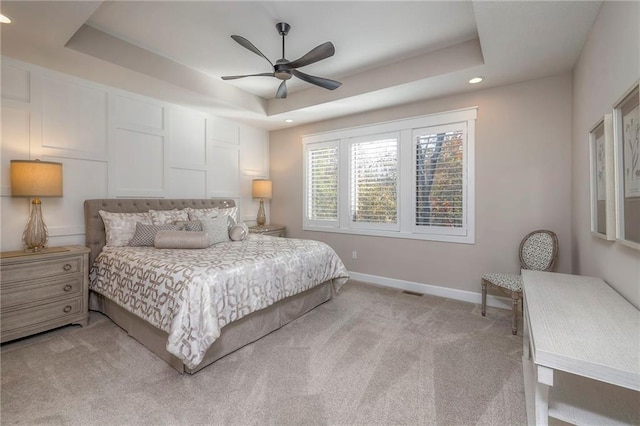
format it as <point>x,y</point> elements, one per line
<point>281,70</point>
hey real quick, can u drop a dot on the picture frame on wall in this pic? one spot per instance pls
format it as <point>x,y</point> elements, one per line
<point>626,135</point>
<point>602,179</point>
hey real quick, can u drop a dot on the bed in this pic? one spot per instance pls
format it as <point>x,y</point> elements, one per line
<point>192,307</point>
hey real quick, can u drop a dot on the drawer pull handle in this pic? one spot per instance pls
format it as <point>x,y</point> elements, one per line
<point>67,267</point>
<point>67,309</point>
<point>67,287</point>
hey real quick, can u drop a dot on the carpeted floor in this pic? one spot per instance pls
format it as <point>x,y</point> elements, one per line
<point>370,356</point>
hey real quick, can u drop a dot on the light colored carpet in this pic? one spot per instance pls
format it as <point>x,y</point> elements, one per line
<point>370,356</point>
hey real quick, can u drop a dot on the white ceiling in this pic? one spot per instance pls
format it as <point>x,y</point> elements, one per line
<point>387,53</point>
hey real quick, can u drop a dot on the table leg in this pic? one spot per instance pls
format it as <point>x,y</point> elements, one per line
<point>484,298</point>
<point>514,312</point>
<point>526,345</point>
<point>544,380</point>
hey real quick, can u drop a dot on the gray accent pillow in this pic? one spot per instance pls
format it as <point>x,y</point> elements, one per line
<point>181,240</point>
<point>146,234</point>
<point>217,229</point>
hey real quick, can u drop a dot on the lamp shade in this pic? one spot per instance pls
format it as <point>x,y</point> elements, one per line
<point>261,188</point>
<point>35,178</point>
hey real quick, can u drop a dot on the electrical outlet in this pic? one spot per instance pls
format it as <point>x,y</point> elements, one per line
<point>354,254</point>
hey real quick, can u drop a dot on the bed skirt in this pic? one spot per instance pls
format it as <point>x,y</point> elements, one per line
<point>233,336</point>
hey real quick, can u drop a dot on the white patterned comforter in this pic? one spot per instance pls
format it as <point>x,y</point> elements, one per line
<point>192,294</point>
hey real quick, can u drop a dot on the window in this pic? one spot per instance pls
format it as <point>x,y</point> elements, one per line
<point>410,178</point>
<point>373,175</point>
<point>440,179</point>
<point>322,184</point>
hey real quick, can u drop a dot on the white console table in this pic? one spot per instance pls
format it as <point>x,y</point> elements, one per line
<point>581,351</point>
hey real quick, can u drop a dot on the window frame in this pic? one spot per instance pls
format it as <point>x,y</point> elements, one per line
<point>406,207</point>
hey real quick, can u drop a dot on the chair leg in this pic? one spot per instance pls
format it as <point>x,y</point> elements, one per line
<point>515,301</point>
<point>484,298</point>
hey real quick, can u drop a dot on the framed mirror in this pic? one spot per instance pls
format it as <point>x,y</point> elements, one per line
<point>603,219</point>
<point>626,134</point>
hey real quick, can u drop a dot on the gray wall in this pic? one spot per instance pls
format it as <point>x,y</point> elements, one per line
<point>609,65</point>
<point>523,183</point>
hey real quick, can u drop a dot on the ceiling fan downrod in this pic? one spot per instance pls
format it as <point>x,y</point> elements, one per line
<point>281,71</point>
<point>283,29</point>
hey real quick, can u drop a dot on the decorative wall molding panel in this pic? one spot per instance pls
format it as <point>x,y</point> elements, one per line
<point>74,120</point>
<point>16,123</point>
<point>16,83</point>
<point>224,170</point>
<point>131,112</point>
<point>254,164</point>
<point>186,183</point>
<point>138,164</point>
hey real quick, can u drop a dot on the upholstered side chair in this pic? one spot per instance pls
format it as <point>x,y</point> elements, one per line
<point>538,251</point>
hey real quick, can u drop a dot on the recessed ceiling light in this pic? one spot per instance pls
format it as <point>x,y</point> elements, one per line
<point>288,120</point>
<point>4,19</point>
<point>475,80</point>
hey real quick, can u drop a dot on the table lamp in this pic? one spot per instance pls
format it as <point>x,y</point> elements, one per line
<point>35,178</point>
<point>261,189</point>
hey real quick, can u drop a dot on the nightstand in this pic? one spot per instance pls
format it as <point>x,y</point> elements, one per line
<point>273,230</point>
<point>43,290</point>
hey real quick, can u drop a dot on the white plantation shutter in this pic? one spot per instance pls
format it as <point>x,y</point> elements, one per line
<point>440,176</point>
<point>374,181</point>
<point>322,182</point>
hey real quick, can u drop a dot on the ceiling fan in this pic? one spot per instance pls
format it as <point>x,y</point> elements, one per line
<point>284,69</point>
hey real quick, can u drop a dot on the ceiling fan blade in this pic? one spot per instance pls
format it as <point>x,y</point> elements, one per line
<point>233,77</point>
<point>282,90</point>
<point>318,81</point>
<point>249,46</point>
<point>316,54</point>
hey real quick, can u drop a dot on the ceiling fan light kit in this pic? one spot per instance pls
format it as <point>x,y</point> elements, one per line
<point>284,69</point>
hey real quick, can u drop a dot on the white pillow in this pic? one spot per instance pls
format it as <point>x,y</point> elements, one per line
<point>217,229</point>
<point>164,217</point>
<point>232,212</point>
<point>199,214</point>
<point>121,227</point>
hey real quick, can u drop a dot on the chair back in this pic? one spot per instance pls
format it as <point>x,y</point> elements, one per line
<point>539,251</point>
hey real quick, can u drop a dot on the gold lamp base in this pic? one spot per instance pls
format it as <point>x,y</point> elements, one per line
<point>262,218</point>
<point>35,235</point>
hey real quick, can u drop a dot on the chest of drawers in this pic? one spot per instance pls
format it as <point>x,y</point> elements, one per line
<point>44,290</point>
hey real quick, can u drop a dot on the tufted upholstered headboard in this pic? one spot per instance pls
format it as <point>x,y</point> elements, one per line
<point>95,236</point>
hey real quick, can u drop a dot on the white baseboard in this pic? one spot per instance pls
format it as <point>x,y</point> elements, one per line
<point>434,290</point>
